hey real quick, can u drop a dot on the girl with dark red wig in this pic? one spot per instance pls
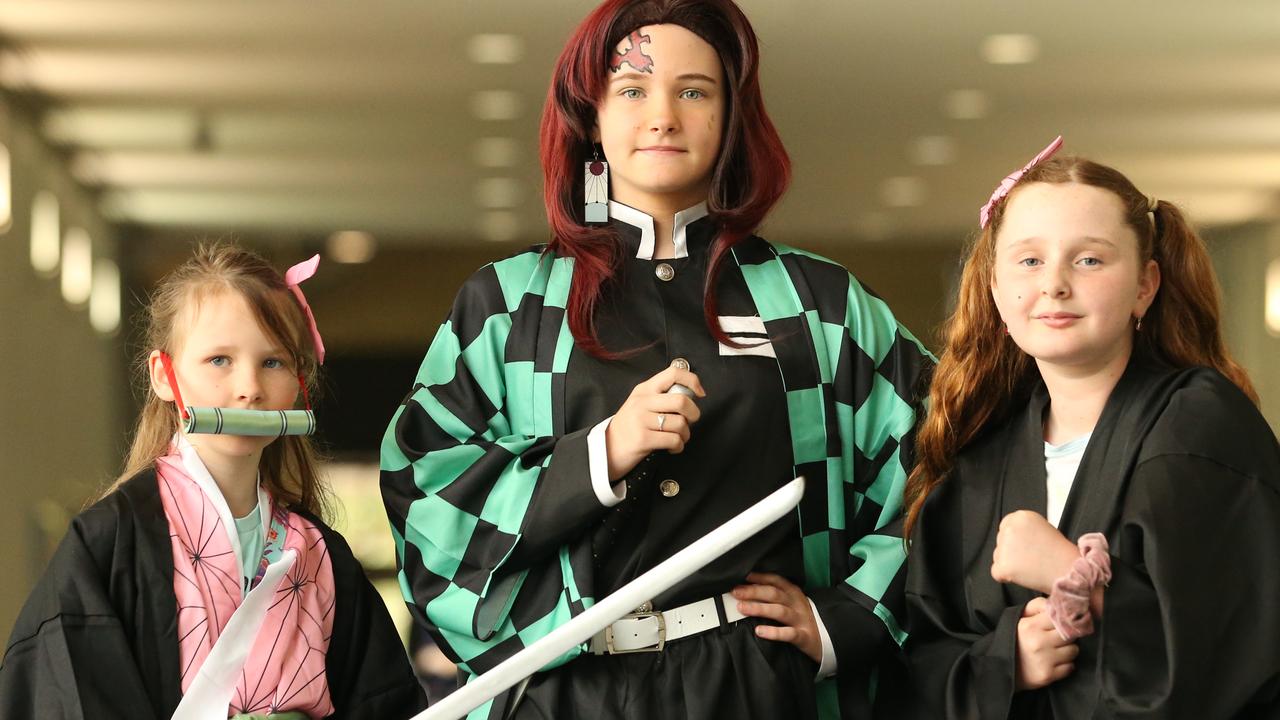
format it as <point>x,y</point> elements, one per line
<point>592,406</point>
<point>1096,512</point>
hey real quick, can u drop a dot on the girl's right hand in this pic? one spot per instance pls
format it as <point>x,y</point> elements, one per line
<point>636,430</point>
<point>1043,656</point>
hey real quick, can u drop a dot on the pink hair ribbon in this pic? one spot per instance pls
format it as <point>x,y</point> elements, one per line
<point>295,276</point>
<point>1012,179</point>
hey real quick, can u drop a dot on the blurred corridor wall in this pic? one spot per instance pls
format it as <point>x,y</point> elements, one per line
<point>61,383</point>
<point>1242,256</point>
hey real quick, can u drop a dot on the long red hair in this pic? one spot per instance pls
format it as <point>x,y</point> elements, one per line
<point>981,374</point>
<point>749,177</point>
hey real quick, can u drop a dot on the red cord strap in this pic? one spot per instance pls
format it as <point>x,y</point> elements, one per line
<point>173,383</point>
<point>306,400</point>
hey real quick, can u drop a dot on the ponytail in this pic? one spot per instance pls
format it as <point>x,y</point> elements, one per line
<point>1183,324</point>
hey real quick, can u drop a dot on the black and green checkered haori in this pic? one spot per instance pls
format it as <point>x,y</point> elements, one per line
<point>481,439</point>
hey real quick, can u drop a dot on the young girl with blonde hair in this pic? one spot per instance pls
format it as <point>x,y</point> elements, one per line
<point>1095,513</point>
<point>204,583</point>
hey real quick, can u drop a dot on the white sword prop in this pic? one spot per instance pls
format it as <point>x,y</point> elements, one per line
<point>621,602</point>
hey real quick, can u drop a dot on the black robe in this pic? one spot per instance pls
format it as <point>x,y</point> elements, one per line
<point>1182,474</point>
<point>97,638</point>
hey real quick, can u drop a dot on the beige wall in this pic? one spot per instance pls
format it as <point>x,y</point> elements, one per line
<point>917,281</point>
<point>1241,256</point>
<point>60,382</point>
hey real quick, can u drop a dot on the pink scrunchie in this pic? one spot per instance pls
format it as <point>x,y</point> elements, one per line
<point>1069,601</point>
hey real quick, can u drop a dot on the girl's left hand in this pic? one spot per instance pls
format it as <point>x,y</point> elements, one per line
<point>774,597</point>
<point>1030,552</point>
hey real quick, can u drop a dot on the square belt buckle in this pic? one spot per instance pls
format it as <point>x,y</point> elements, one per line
<point>662,634</point>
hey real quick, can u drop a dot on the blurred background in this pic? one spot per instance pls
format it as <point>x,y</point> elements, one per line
<point>399,139</point>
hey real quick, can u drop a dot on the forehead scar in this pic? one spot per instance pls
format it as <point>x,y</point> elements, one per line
<point>633,56</point>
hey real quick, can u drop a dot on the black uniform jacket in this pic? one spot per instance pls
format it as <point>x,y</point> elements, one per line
<point>1182,474</point>
<point>98,636</point>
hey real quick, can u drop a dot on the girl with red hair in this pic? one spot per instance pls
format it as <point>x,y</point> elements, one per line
<point>592,406</point>
<point>1096,510</point>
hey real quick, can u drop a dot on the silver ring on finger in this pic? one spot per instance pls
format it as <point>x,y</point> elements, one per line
<point>662,419</point>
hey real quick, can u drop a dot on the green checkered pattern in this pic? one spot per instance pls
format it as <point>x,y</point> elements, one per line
<point>852,407</point>
<point>463,455</point>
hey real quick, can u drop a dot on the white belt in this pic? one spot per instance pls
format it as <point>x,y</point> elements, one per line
<point>648,630</point>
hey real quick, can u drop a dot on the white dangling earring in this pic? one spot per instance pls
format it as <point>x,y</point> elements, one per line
<point>595,190</point>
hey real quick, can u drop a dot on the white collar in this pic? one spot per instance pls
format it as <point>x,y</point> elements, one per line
<point>196,469</point>
<point>644,223</point>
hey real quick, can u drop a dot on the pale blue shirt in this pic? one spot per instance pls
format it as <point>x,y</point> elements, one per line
<point>252,537</point>
<point>1060,465</point>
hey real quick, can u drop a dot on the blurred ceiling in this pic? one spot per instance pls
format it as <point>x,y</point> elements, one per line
<point>416,120</point>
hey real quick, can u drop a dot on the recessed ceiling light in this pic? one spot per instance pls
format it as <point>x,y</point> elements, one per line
<point>901,192</point>
<point>6,191</point>
<point>77,266</point>
<point>1273,298</point>
<point>1221,206</point>
<point>966,105</point>
<point>104,300</point>
<point>495,49</point>
<point>496,152</point>
<point>500,226</point>
<point>495,105</point>
<point>46,233</point>
<point>1010,49</point>
<point>130,128</point>
<point>933,150</point>
<point>350,246</point>
<point>498,193</point>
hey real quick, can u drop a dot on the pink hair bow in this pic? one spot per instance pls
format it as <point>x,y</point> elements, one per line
<point>293,278</point>
<point>1012,179</point>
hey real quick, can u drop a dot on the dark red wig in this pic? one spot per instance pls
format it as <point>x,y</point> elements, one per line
<point>749,177</point>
